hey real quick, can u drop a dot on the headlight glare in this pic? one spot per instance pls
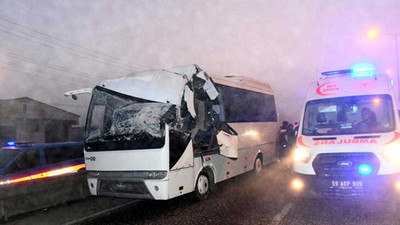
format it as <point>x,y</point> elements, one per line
<point>297,184</point>
<point>301,155</point>
<point>392,153</point>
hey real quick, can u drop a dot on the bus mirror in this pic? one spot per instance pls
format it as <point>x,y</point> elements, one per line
<point>74,93</point>
<point>229,144</point>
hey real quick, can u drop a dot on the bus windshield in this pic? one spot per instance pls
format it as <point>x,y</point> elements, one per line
<point>117,122</point>
<point>349,115</point>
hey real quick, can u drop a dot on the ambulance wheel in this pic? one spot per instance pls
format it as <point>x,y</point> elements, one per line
<point>202,188</point>
<point>258,166</point>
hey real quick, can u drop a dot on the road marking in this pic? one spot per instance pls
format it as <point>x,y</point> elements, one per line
<point>101,213</point>
<point>278,218</point>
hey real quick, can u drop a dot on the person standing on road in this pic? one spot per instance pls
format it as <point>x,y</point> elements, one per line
<point>282,142</point>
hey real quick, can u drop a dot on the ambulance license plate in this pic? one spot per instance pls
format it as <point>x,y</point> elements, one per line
<point>346,184</point>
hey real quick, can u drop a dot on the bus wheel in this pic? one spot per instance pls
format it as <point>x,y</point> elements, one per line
<point>202,188</point>
<point>258,166</point>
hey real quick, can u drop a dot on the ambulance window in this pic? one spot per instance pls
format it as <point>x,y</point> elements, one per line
<point>353,109</point>
<point>27,160</point>
<point>349,115</point>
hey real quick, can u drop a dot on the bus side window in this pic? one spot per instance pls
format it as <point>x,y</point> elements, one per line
<point>242,105</point>
<point>27,160</point>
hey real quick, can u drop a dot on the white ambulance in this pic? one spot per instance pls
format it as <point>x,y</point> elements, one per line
<point>349,137</point>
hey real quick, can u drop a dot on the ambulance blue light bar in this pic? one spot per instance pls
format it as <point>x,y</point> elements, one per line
<point>11,143</point>
<point>336,72</point>
<point>358,70</point>
<point>363,70</point>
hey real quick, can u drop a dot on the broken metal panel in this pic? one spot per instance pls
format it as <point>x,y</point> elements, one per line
<point>216,109</point>
<point>210,89</point>
<point>189,99</point>
<point>187,71</point>
<point>229,144</point>
<point>206,96</point>
<point>156,85</point>
<point>209,114</point>
<point>159,86</point>
<point>202,75</point>
<point>201,118</point>
<point>186,159</point>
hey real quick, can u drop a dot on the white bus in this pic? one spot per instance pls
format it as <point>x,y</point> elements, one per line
<point>165,133</point>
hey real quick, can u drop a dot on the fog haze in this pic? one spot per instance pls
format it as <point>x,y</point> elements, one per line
<point>286,43</point>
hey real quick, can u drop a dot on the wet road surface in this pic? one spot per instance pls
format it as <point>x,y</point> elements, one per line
<point>246,199</point>
<point>250,199</point>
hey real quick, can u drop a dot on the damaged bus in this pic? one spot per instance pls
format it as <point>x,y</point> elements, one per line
<point>165,133</point>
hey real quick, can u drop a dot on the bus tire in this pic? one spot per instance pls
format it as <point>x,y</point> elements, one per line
<point>258,165</point>
<point>202,188</point>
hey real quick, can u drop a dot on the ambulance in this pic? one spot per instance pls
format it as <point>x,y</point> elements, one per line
<point>348,143</point>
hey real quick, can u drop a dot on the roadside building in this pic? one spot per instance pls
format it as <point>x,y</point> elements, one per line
<point>25,119</point>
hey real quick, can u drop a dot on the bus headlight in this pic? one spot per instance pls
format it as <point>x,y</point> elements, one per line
<point>392,153</point>
<point>301,155</point>
<point>155,175</point>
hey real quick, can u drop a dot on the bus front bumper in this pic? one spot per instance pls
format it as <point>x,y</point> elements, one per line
<point>129,188</point>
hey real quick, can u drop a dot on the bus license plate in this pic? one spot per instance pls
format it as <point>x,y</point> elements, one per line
<point>346,184</point>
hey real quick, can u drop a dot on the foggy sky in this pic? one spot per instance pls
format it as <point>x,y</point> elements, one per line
<point>283,42</point>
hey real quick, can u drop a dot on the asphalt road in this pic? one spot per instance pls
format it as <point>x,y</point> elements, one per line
<point>246,199</point>
<point>250,199</point>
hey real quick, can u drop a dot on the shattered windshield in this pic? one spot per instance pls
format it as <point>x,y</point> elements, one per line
<point>117,118</point>
<point>349,115</point>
